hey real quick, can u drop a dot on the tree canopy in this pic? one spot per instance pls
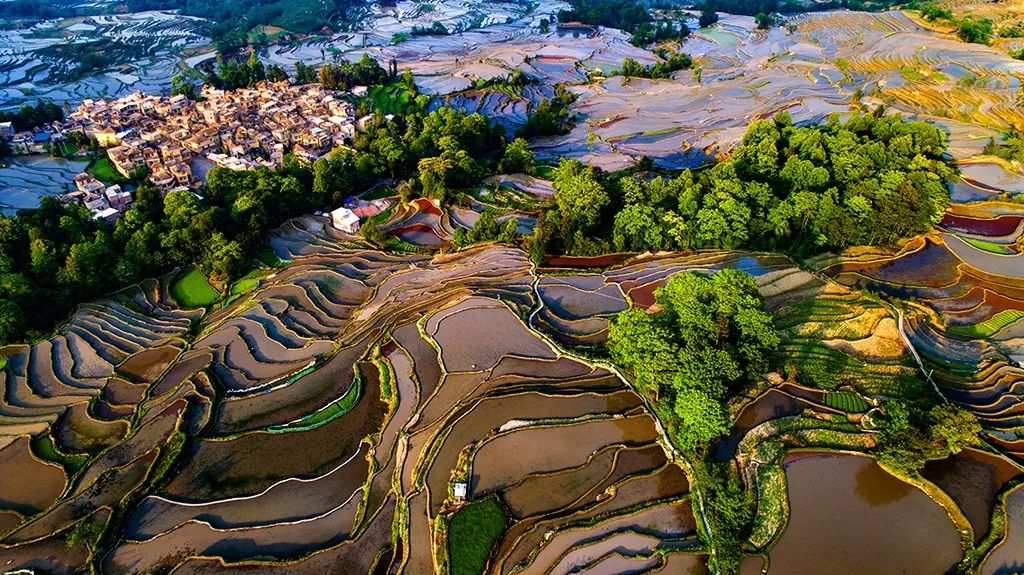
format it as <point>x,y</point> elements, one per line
<point>872,180</point>
<point>709,338</point>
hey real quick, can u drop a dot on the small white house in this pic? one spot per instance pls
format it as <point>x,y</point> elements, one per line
<point>460,490</point>
<point>345,220</point>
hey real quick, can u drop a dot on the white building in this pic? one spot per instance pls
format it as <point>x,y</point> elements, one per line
<point>345,220</point>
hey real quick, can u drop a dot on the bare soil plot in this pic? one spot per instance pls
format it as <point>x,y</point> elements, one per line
<point>27,485</point>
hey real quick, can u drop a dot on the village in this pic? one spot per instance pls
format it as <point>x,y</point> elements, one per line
<point>173,141</point>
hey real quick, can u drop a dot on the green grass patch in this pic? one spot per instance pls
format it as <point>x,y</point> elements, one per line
<point>192,290</point>
<point>472,533</point>
<point>846,401</point>
<point>43,448</point>
<point>987,246</point>
<point>336,408</point>
<point>104,171</point>
<point>247,282</point>
<point>989,327</point>
<point>379,193</point>
<point>3,363</point>
<point>267,257</point>
<point>393,98</point>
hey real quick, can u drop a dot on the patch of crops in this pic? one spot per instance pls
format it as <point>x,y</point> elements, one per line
<point>268,258</point>
<point>989,327</point>
<point>846,401</point>
<point>390,99</point>
<point>193,290</point>
<point>987,246</point>
<point>337,408</point>
<point>473,531</point>
<point>103,170</point>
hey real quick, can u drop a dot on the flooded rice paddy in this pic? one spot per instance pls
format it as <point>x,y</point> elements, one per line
<point>25,179</point>
<point>847,515</point>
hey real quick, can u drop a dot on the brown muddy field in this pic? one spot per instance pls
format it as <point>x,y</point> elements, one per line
<point>847,515</point>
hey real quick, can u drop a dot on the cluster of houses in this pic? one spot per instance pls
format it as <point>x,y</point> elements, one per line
<point>105,202</point>
<point>167,136</point>
<point>31,142</point>
<point>238,129</point>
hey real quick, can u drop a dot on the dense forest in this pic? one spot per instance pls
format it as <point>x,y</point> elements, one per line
<point>872,180</point>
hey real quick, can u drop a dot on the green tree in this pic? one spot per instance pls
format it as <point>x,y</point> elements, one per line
<point>637,228</point>
<point>180,85</point>
<point>580,197</point>
<point>518,159</point>
<point>709,338</point>
<point>12,321</point>
<point>257,73</point>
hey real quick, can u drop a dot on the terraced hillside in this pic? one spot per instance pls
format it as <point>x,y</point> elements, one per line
<point>332,415</point>
<point>138,51</point>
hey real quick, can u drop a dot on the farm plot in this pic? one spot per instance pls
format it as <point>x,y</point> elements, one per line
<point>139,51</point>
<point>967,327</point>
<point>335,413</point>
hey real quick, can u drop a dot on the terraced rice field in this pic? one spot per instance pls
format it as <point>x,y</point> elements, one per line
<point>145,49</point>
<point>918,536</point>
<point>967,324</point>
<point>23,180</point>
<point>325,416</point>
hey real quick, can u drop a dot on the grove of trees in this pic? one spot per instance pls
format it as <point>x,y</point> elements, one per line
<point>710,338</point>
<point>872,180</point>
<point>28,117</point>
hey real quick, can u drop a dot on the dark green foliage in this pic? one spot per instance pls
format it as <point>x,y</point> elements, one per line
<point>28,117</point>
<point>180,85</point>
<point>710,338</point>
<point>914,433</point>
<point>448,150</point>
<point>304,74</point>
<point>550,117</point>
<point>435,29</point>
<point>976,30</point>
<point>364,72</point>
<point>235,19</point>
<point>372,233</point>
<point>55,256</point>
<point>486,229</point>
<point>513,83</point>
<point>472,533</point>
<point>708,15</point>
<point>868,181</point>
<point>666,29</point>
<point>765,21</point>
<point>729,510</point>
<point>671,62</point>
<point>627,15</point>
<point>230,75</point>
<point>1010,148</point>
<point>932,12</point>
<point>1014,31</point>
<point>518,159</point>
<point>579,201</point>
